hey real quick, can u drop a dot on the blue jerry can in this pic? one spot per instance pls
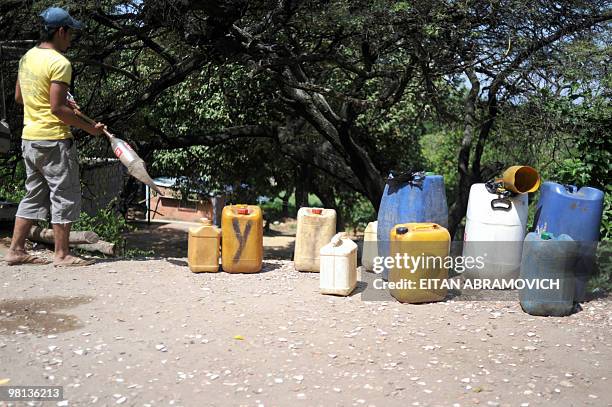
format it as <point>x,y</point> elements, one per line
<point>548,259</point>
<point>566,209</point>
<point>410,198</point>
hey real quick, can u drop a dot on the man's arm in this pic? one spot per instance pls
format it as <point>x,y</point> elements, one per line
<point>57,97</point>
<point>18,97</point>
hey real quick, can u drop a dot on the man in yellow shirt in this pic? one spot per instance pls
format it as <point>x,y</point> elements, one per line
<point>48,146</point>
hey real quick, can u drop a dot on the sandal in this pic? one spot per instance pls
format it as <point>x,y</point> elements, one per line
<point>75,262</point>
<point>28,259</point>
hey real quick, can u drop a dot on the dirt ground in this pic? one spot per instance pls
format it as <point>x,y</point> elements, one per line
<point>149,332</point>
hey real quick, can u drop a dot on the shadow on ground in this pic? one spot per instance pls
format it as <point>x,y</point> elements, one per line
<point>170,240</point>
<point>165,240</point>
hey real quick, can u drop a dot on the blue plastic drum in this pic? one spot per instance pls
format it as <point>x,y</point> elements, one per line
<point>407,199</point>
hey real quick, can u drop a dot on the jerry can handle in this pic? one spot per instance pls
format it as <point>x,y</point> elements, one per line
<point>501,204</point>
<point>412,178</point>
<point>426,226</point>
<point>337,239</point>
<point>572,189</point>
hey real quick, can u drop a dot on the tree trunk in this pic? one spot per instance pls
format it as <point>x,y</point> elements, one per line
<point>363,167</point>
<point>101,246</point>
<point>459,206</point>
<point>469,175</point>
<point>285,210</point>
<point>302,186</point>
<point>315,109</point>
<point>39,234</point>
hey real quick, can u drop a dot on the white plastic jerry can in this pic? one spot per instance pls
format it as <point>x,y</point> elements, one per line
<point>370,246</point>
<point>494,230</point>
<point>338,260</point>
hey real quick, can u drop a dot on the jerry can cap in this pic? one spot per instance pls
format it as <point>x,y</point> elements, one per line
<point>242,211</point>
<point>402,230</point>
<point>316,211</point>
<point>546,236</point>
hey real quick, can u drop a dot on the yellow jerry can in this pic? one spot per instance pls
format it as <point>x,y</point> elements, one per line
<point>242,243</point>
<point>420,253</point>
<point>315,228</point>
<point>203,247</point>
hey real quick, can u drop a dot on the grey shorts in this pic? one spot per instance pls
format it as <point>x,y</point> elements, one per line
<point>52,181</point>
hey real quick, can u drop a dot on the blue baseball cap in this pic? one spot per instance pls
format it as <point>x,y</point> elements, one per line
<point>54,17</point>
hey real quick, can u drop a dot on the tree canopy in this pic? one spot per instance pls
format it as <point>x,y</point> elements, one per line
<point>329,96</point>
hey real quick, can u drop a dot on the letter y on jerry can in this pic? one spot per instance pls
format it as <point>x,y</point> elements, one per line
<point>242,242</point>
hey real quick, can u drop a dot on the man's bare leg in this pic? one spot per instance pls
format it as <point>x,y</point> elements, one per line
<point>17,253</point>
<point>61,234</point>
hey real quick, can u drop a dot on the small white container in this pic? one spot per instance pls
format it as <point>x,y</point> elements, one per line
<point>338,261</point>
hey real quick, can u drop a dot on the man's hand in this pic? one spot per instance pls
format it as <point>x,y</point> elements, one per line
<point>72,104</point>
<point>97,130</point>
<point>65,108</point>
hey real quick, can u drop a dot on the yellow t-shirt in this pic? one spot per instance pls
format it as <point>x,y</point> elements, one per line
<point>37,69</point>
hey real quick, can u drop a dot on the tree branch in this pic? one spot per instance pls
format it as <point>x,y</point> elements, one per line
<point>94,62</point>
